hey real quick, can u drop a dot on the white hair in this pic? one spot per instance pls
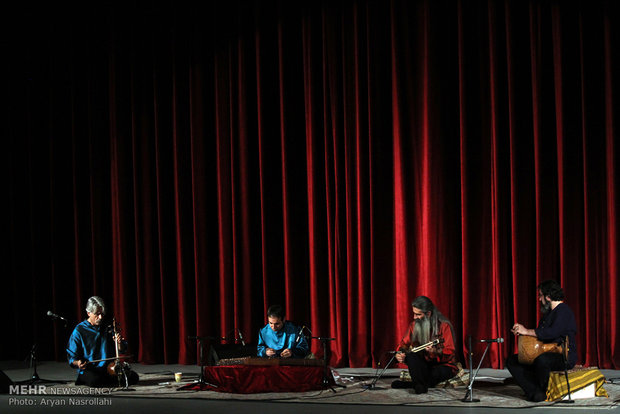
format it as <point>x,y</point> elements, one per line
<point>94,303</point>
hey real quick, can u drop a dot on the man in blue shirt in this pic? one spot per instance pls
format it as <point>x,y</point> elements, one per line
<point>556,324</point>
<point>91,341</point>
<point>281,338</point>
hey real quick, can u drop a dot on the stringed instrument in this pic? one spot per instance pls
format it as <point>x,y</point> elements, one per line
<point>262,361</point>
<point>530,348</point>
<point>426,345</point>
<point>118,369</point>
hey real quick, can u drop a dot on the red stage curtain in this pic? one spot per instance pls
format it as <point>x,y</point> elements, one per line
<point>193,167</point>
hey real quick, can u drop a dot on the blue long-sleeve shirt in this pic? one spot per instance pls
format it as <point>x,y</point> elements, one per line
<point>89,343</point>
<point>281,340</point>
<point>556,325</point>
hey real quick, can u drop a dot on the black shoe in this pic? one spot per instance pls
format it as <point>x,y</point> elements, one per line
<point>538,396</point>
<point>420,389</point>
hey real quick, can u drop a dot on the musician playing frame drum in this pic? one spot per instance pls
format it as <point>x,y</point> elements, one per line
<point>435,363</point>
<point>557,323</point>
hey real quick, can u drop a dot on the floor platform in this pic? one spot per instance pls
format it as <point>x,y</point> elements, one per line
<point>157,392</point>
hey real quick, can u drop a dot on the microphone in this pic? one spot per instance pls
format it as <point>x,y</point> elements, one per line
<point>489,341</point>
<point>54,316</point>
<point>240,336</point>
<point>299,334</point>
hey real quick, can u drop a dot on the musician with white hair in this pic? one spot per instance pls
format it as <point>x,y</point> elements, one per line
<point>92,341</point>
<point>434,363</point>
<point>557,324</point>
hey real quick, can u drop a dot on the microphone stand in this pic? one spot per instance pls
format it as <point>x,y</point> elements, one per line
<point>35,379</point>
<point>326,383</point>
<point>373,384</point>
<point>202,384</point>
<point>565,357</point>
<point>470,389</point>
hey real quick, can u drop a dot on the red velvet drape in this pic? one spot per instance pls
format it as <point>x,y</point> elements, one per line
<point>193,167</point>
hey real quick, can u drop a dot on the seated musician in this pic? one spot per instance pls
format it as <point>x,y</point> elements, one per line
<point>557,323</point>
<point>281,338</point>
<point>433,364</point>
<point>92,341</point>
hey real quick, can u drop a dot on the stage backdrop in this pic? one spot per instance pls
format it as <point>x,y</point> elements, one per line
<point>193,166</point>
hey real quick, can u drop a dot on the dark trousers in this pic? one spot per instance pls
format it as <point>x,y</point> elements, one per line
<point>424,373</point>
<point>101,378</point>
<point>534,379</point>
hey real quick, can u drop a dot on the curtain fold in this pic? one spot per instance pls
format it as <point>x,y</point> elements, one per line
<point>194,167</point>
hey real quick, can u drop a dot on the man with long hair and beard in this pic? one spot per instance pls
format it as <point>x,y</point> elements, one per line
<point>433,364</point>
<point>557,323</point>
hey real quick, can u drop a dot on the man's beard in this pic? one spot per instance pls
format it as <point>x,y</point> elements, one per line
<point>422,331</point>
<point>545,307</point>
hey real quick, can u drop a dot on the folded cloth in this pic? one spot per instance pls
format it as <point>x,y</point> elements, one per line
<point>578,378</point>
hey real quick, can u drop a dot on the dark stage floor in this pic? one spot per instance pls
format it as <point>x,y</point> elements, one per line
<point>121,402</point>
